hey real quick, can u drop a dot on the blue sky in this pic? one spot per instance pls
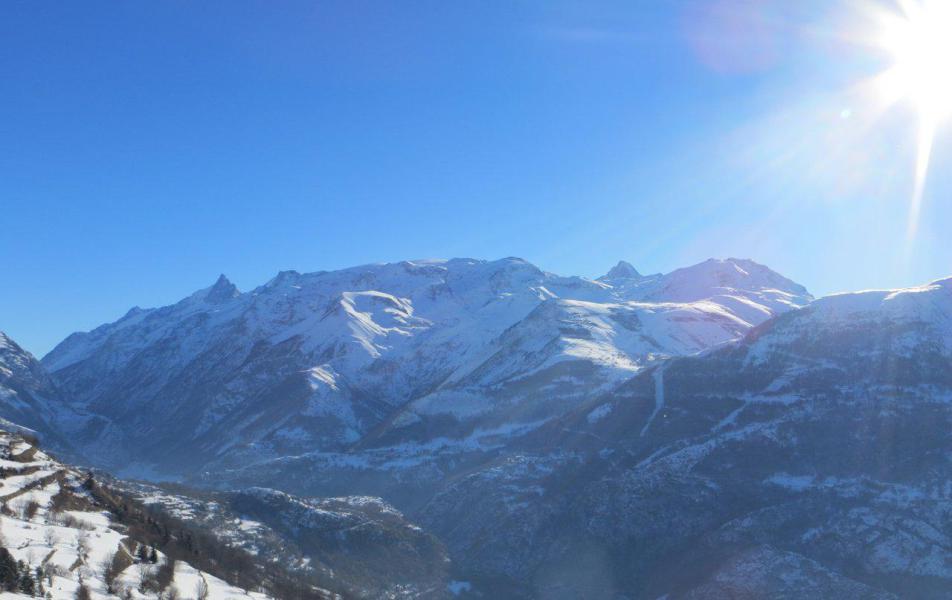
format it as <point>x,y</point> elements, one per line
<point>148,147</point>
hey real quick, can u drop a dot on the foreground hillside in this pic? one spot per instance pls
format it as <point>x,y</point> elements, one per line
<point>359,546</point>
<point>63,530</point>
<point>64,536</point>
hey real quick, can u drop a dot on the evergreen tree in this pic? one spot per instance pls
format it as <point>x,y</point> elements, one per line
<point>9,574</point>
<point>27,584</point>
<point>153,556</point>
<point>40,590</point>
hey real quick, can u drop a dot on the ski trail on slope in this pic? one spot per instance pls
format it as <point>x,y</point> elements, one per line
<point>658,398</point>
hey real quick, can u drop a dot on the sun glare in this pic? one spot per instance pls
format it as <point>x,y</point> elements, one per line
<point>918,40</point>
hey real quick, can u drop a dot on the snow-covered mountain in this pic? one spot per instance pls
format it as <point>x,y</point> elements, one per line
<point>388,354</point>
<point>808,459</point>
<point>29,399</point>
<point>708,433</point>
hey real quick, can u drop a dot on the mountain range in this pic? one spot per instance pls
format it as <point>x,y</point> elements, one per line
<point>384,354</point>
<point>713,432</point>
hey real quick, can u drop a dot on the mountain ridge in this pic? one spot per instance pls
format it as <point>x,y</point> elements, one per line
<point>343,352</point>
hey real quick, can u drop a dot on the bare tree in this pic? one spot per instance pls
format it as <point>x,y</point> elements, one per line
<point>49,536</point>
<point>82,592</point>
<point>32,507</point>
<point>145,577</point>
<point>201,589</point>
<point>82,545</point>
<point>113,567</point>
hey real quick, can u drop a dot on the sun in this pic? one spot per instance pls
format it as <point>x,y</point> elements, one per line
<point>918,40</point>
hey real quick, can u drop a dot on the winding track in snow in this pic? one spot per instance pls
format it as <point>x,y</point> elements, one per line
<point>659,398</point>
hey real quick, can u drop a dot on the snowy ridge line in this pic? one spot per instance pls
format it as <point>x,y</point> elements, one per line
<point>384,355</point>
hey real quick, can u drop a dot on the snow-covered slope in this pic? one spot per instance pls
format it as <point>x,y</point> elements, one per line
<point>25,389</point>
<point>359,546</point>
<point>30,401</point>
<point>326,360</point>
<point>808,459</point>
<point>64,539</point>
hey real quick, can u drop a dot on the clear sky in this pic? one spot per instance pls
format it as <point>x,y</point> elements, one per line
<point>149,146</point>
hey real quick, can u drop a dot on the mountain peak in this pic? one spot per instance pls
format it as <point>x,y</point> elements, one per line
<point>132,312</point>
<point>7,345</point>
<point>222,291</point>
<point>623,270</point>
<point>283,278</point>
<point>724,276</point>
